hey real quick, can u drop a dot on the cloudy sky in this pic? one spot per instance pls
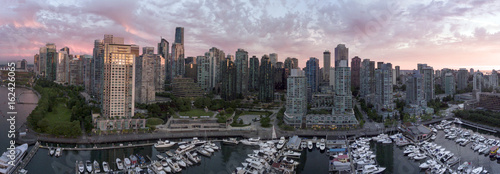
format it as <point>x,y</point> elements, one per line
<point>453,34</point>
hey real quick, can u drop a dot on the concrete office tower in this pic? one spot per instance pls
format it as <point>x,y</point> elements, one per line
<point>178,59</point>
<point>203,73</point>
<point>355,70</point>
<point>62,67</point>
<point>164,51</point>
<point>216,57</point>
<point>326,66</point>
<point>414,89</point>
<point>312,75</point>
<point>118,81</point>
<point>51,62</point>
<point>228,89</point>
<point>145,67</point>
<point>449,84</point>
<point>494,79</point>
<point>296,98</point>
<point>159,72</point>
<point>398,73</point>
<point>274,58</point>
<point>241,72</point>
<point>462,79</point>
<point>179,35</point>
<point>87,73</point>
<point>383,87</point>
<point>341,53</point>
<point>295,63</point>
<point>428,73</point>
<point>367,78</point>
<point>36,64</point>
<point>96,69</point>
<point>266,84</point>
<point>420,68</point>
<point>343,94</point>
<point>253,74</point>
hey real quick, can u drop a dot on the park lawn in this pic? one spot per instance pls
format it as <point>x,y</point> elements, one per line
<point>154,121</point>
<point>263,113</point>
<point>196,112</point>
<point>61,114</point>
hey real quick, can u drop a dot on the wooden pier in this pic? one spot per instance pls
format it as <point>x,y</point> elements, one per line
<point>478,126</point>
<point>27,159</point>
<point>101,148</point>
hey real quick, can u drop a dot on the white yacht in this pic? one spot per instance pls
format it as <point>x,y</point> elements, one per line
<point>281,143</point>
<point>127,163</point>
<point>96,166</point>
<point>81,167</point>
<point>322,146</point>
<point>5,167</point>
<point>208,149</point>
<point>419,156</point>
<point>372,169</point>
<point>105,166</point>
<point>119,164</point>
<point>58,152</point>
<point>251,141</point>
<point>230,141</point>
<point>427,164</point>
<point>163,144</point>
<point>52,151</point>
<point>292,154</point>
<point>196,141</point>
<point>303,145</point>
<point>88,166</point>
<point>309,145</point>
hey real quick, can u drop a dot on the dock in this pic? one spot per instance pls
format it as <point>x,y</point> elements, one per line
<point>27,159</point>
<point>478,126</point>
<point>101,148</point>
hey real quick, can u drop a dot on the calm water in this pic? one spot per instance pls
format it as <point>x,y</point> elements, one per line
<point>226,159</point>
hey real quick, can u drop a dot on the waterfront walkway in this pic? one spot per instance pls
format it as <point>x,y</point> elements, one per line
<point>27,159</point>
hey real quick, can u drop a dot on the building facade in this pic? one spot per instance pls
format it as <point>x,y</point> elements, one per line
<point>241,63</point>
<point>253,74</point>
<point>145,88</point>
<point>326,66</point>
<point>341,53</point>
<point>355,71</point>
<point>296,103</point>
<point>266,80</point>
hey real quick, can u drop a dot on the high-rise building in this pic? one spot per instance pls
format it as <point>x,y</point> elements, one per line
<point>355,70</point>
<point>367,78</point>
<point>62,67</point>
<point>326,65</point>
<point>253,74</point>
<point>471,71</point>
<point>343,94</point>
<point>241,72</point>
<point>341,53</point>
<point>462,79</point>
<point>192,71</point>
<point>379,65</point>
<point>178,59</point>
<point>36,64</point>
<point>493,79</point>
<point>118,81</point>
<point>97,67</point>
<point>295,62</point>
<point>266,84</point>
<point>145,77</point>
<point>190,60</point>
<point>279,65</point>
<point>75,73</point>
<point>420,67</point>
<point>66,49</point>
<point>228,91</point>
<point>288,64</point>
<point>296,98</point>
<point>87,75</point>
<point>312,75</point>
<point>159,72</point>
<point>383,88</point>
<point>203,73</point>
<point>163,50</point>
<point>443,73</point>
<point>51,62</point>
<point>449,84</point>
<point>274,58</point>
<point>42,64</point>
<point>280,76</point>
<point>428,73</point>
<point>216,57</point>
<point>414,89</point>
<point>398,73</point>
<point>179,35</point>
<point>477,83</point>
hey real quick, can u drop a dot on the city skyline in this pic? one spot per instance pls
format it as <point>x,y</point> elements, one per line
<point>452,35</point>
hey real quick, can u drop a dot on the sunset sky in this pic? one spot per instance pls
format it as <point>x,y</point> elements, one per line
<point>452,34</point>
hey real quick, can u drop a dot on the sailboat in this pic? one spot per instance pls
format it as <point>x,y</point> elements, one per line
<point>273,135</point>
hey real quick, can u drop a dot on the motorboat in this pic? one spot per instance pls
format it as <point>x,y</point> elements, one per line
<point>105,166</point>
<point>81,167</point>
<point>208,149</point>
<point>251,141</point>
<point>477,170</point>
<point>452,161</point>
<point>96,166</point>
<point>386,141</point>
<point>133,160</point>
<point>309,145</point>
<point>197,142</point>
<point>184,148</point>
<point>164,144</point>
<point>193,158</point>
<point>157,165</point>
<point>160,157</point>
<point>58,152</point>
<point>88,166</point>
<point>322,146</point>
<point>463,166</point>
<point>181,163</point>
<point>230,141</point>
<point>292,154</point>
<point>419,156</point>
<point>170,154</point>
<point>175,167</point>
<point>127,163</point>
<point>167,169</point>
<point>427,164</point>
<point>119,164</point>
<point>373,169</point>
<point>141,159</point>
<point>303,145</point>
<point>52,151</point>
<point>317,144</point>
<point>281,143</point>
<point>204,152</point>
